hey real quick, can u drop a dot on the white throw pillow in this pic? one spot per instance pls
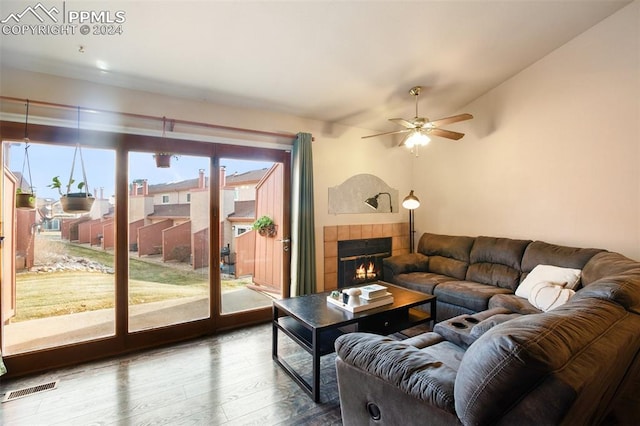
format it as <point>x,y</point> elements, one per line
<point>565,277</point>
<point>547,296</point>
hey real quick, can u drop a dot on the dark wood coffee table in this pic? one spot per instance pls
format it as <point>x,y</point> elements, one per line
<point>315,325</point>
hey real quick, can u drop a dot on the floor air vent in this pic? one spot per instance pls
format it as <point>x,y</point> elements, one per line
<point>21,393</point>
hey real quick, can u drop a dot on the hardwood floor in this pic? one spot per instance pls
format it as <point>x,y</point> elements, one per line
<point>228,379</point>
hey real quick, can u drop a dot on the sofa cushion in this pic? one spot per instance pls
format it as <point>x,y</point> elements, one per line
<point>403,263</point>
<point>623,289</point>
<point>460,329</point>
<point>420,281</point>
<point>496,261</point>
<point>513,303</point>
<point>414,371</point>
<point>561,360</point>
<point>448,255</point>
<point>564,277</point>
<point>469,294</point>
<point>606,264</point>
<point>487,324</point>
<point>423,340</point>
<point>541,253</point>
<point>547,296</point>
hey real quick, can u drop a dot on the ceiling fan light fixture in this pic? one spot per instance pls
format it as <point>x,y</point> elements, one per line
<point>416,138</point>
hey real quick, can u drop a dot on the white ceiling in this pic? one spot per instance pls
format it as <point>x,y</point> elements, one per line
<point>350,62</point>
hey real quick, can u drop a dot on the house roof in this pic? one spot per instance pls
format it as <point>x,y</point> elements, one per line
<point>171,210</point>
<point>234,179</point>
<point>244,210</point>
<point>360,57</point>
<point>252,176</point>
<point>184,185</point>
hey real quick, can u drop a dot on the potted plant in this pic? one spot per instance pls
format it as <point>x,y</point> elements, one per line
<point>73,202</point>
<point>163,159</point>
<point>25,200</point>
<point>265,226</point>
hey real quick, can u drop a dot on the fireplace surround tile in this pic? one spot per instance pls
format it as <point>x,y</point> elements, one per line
<point>399,232</point>
<point>330,233</point>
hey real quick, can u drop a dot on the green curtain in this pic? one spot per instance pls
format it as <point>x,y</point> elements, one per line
<point>303,242</point>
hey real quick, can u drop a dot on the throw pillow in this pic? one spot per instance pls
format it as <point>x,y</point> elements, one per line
<point>566,277</point>
<point>547,296</point>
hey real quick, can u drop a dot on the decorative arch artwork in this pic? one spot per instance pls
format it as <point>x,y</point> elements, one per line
<point>350,196</point>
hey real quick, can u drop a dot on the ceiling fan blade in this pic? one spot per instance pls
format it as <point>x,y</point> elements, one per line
<point>403,122</point>
<point>446,134</point>
<point>387,133</point>
<point>449,120</point>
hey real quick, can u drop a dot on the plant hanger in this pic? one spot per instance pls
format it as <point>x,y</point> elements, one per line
<point>25,162</point>
<point>78,151</point>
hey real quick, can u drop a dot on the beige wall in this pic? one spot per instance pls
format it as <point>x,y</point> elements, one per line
<point>199,210</point>
<point>552,154</point>
<point>140,207</point>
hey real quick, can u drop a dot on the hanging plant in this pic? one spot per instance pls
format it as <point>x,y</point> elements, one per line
<point>163,159</point>
<point>265,226</point>
<point>73,202</point>
<point>80,201</point>
<point>26,198</point>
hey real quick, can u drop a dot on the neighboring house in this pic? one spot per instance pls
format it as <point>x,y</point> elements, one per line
<point>169,218</point>
<point>239,205</point>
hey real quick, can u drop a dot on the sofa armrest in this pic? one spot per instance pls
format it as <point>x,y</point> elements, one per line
<point>404,263</point>
<point>406,367</point>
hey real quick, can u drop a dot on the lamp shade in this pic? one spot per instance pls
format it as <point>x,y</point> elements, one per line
<point>372,202</point>
<point>411,201</point>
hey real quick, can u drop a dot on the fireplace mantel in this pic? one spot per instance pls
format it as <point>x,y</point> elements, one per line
<point>399,233</point>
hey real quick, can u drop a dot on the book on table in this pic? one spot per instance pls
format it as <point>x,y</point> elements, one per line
<point>363,305</point>
<point>377,297</point>
<point>373,291</point>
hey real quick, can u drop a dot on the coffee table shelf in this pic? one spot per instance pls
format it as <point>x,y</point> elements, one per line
<point>304,337</point>
<point>314,324</point>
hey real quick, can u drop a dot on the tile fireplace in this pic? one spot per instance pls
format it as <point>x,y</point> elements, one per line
<point>333,234</point>
<point>360,261</point>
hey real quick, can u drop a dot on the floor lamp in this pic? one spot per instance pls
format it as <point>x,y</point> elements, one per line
<point>411,203</point>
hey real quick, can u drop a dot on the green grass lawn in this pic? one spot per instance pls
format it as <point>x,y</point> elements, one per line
<point>41,295</point>
<point>60,293</point>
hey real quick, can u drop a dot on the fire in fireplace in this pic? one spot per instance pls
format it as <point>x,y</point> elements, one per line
<point>360,261</point>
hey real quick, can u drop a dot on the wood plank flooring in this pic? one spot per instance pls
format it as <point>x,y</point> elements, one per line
<point>228,379</point>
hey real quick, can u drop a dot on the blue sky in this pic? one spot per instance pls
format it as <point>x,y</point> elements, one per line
<point>48,161</point>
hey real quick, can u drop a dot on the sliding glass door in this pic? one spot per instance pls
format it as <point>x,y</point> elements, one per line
<point>252,236</point>
<point>169,228</point>
<point>167,252</point>
<point>58,281</point>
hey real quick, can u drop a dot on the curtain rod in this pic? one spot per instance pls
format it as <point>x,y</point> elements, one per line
<point>151,117</point>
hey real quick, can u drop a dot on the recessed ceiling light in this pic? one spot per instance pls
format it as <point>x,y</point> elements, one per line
<point>102,65</point>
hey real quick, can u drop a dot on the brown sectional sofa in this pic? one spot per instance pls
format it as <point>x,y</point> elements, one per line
<point>509,362</point>
<point>466,273</point>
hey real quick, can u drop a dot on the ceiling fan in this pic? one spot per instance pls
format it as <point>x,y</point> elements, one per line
<point>419,128</point>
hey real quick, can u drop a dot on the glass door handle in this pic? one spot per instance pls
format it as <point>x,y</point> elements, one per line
<point>285,243</point>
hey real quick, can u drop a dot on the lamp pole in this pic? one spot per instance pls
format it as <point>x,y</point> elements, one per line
<point>412,231</point>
